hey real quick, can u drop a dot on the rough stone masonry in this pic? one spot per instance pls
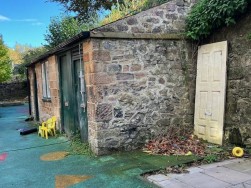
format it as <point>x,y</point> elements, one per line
<point>238,94</point>
<point>13,91</point>
<point>138,88</point>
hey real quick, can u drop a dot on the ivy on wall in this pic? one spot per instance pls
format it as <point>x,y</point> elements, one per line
<point>208,15</point>
<point>249,36</point>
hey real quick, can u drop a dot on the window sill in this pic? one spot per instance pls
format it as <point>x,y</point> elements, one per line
<point>46,100</point>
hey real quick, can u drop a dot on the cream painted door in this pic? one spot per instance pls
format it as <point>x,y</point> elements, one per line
<point>210,92</point>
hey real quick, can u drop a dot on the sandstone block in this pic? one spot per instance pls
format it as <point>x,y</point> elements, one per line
<point>140,75</point>
<point>171,7</point>
<point>132,21</point>
<point>54,93</point>
<point>153,20</point>
<point>118,57</point>
<point>86,57</point>
<point>125,76</point>
<point>121,27</point>
<point>91,111</point>
<point>163,122</point>
<point>100,55</point>
<point>102,78</point>
<point>103,112</point>
<point>87,45</point>
<point>136,29</point>
<point>125,68</point>
<point>180,3</point>
<point>135,67</point>
<point>160,13</point>
<point>114,68</point>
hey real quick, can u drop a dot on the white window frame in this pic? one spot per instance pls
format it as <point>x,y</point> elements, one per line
<point>45,81</point>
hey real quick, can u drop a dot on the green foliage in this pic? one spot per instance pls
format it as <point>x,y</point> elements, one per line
<point>210,158</point>
<point>79,148</point>
<point>208,15</point>
<point>32,54</point>
<point>89,11</point>
<point>27,58</point>
<point>86,9</point>
<point>249,36</point>
<point>16,53</point>
<point>20,56</point>
<point>61,29</point>
<point>129,7</point>
<point>150,3</point>
<point>121,10</point>
<point>5,63</point>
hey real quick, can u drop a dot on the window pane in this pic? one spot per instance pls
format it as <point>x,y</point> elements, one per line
<point>47,80</point>
<point>43,81</point>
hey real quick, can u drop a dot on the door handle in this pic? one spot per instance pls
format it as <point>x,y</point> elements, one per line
<point>66,103</point>
<point>208,113</point>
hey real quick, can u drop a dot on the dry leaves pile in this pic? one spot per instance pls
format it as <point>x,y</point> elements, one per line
<point>175,145</point>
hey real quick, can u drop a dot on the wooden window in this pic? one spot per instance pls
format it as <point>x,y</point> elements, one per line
<point>45,80</point>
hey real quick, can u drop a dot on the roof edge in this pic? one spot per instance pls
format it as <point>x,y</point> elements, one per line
<point>61,47</point>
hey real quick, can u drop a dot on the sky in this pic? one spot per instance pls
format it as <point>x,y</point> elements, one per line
<point>25,21</point>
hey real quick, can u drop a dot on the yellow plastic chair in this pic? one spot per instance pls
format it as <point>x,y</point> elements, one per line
<point>52,125</point>
<point>45,129</point>
<point>41,129</point>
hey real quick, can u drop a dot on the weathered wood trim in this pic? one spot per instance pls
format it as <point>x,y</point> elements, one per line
<point>149,36</point>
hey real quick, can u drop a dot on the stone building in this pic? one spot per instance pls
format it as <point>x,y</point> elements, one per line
<point>120,84</point>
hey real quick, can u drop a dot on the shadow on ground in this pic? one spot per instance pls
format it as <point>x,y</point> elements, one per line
<point>21,163</point>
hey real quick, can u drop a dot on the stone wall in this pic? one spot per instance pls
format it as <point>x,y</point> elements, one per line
<point>238,98</point>
<point>51,107</point>
<point>13,91</point>
<point>166,18</point>
<point>136,89</point>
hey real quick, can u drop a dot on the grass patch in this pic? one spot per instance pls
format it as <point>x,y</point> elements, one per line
<point>79,148</point>
<point>210,159</point>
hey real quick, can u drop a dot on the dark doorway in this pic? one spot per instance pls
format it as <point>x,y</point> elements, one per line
<point>35,97</point>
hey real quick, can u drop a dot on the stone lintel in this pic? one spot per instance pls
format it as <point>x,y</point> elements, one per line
<point>149,36</point>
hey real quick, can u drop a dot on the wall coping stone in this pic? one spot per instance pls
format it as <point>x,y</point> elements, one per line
<point>149,36</point>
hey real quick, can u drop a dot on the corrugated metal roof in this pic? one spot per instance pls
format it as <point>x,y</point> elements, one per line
<point>61,47</point>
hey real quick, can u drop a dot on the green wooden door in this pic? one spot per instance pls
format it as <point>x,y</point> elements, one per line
<point>80,100</point>
<point>35,97</point>
<point>67,94</point>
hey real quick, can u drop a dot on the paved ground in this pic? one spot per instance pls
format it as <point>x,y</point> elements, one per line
<point>230,174</point>
<point>32,162</point>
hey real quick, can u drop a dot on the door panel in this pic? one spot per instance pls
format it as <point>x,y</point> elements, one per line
<point>204,67</point>
<point>203,104</point>
<point>67,103</point>
<point>215,106</point>
<point>81,102</point>
<point>210,92</point>
<point>35,97</point>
